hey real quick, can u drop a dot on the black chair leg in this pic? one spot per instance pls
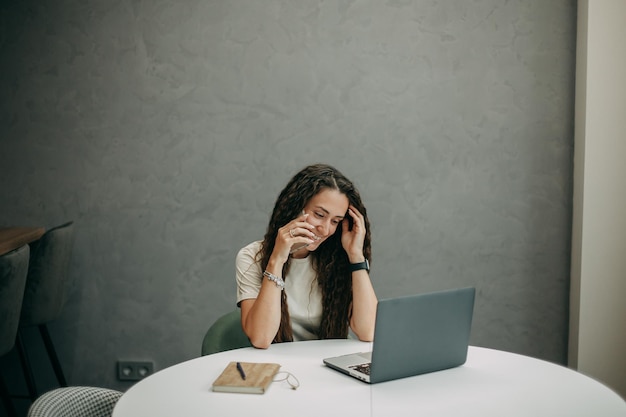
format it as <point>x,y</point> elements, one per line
<point>56,365</point>
<point>6,399</point>
<point>28,371</point>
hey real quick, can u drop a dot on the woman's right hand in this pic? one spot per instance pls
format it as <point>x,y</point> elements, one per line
<point>295,235</point>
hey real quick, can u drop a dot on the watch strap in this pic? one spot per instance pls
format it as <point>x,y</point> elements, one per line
<point>360,265</point>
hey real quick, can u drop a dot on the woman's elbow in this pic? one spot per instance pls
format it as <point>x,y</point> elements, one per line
<point>366,336</point>
<point>260,342</point>
<point>365,333</point>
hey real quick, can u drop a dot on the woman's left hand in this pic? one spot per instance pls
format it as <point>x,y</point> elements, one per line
<point>352,240</point>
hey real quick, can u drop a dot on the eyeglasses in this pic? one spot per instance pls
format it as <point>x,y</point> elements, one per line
<point>289,377</point>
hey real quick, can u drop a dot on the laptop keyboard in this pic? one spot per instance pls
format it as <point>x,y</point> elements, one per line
<point>364,368</point>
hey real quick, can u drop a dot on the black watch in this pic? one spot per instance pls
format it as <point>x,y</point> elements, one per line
<point>361,265</point>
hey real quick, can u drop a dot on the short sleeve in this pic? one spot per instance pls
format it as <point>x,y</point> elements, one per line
<point>248,272</point>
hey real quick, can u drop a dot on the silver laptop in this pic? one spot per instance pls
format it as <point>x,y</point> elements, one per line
<point>414,335</point>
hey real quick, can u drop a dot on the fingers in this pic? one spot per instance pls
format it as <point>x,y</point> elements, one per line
<point>298,231</point>
<point>357,218</point>
<point>352,239</point>
<point>299,228</point>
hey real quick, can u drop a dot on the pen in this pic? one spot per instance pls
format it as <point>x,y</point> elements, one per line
<point>241,372</point>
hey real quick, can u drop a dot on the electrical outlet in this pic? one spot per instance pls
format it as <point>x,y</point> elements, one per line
<point>134,370</point>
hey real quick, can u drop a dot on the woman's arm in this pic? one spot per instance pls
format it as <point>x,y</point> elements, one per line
<point>261,316</point>
<point>364,301</point>
<point>364,304</point>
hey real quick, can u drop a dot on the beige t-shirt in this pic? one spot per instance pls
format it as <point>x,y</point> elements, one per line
<point>304,296</point>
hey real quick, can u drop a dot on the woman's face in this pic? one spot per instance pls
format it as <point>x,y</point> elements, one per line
<point>326,210</point>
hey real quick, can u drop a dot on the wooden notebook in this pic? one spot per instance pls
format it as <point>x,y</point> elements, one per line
<point>258,377</point>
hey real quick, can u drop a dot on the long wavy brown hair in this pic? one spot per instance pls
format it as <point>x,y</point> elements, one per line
<point>330,261</point>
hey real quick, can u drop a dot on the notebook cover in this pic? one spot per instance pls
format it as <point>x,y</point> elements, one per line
<point>258,378</point>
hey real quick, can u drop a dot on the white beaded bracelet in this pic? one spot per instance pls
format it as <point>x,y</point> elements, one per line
<point>277,280</point>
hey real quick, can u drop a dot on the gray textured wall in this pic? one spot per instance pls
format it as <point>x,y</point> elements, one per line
<point>166,129</point>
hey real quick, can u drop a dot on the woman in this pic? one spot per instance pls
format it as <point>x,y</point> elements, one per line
<point>309,277</point>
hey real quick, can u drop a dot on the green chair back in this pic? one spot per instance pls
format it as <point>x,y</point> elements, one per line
<point>225,334</point>
<point>13,272</point>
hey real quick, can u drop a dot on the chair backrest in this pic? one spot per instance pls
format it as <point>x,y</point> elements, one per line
<point>225,334</point>
<point>47,282</point>
<point>13,270</point>
<point>75,402</point>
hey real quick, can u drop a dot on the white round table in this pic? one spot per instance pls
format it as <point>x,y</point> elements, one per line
<point>490,383</point>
